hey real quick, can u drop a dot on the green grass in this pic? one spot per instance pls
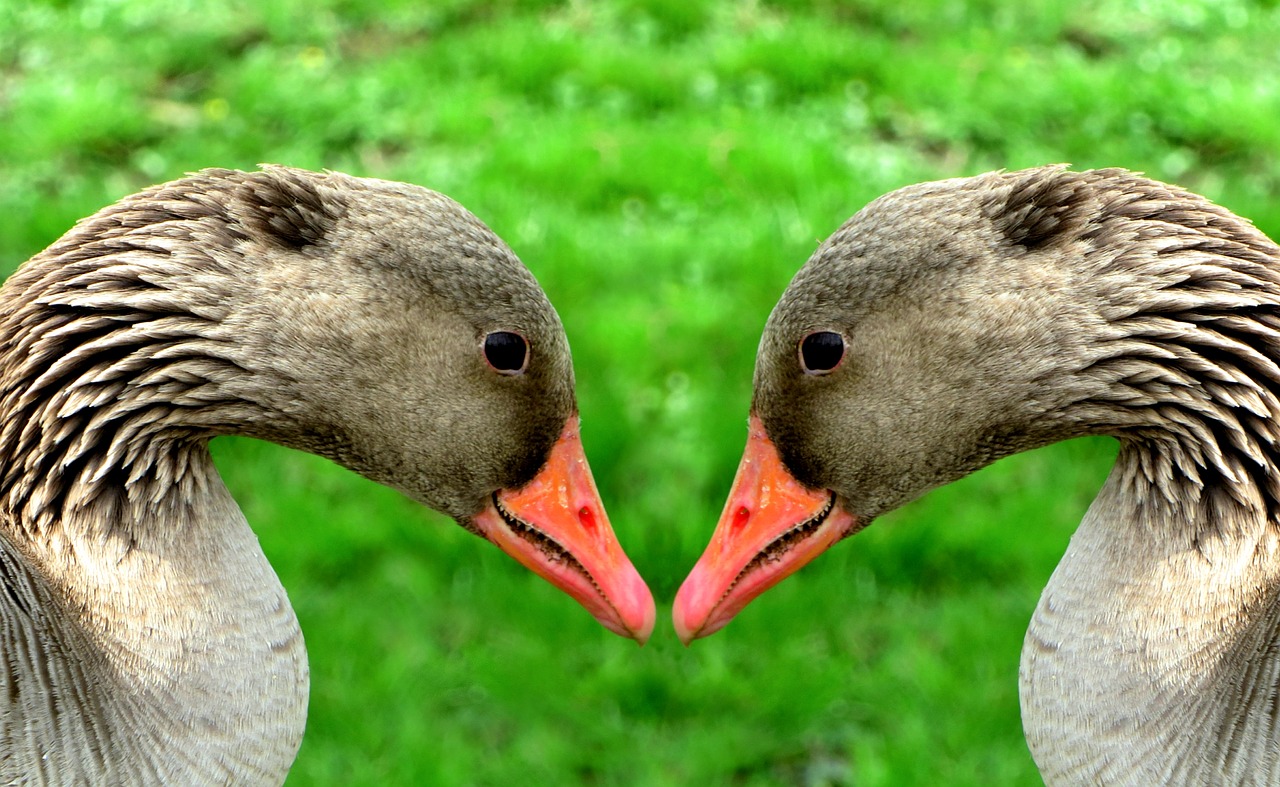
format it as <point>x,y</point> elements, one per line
<point>663,166</point>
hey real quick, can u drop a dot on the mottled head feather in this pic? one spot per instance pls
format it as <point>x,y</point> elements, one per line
<point>286,206</point>
<point>1042,206</point>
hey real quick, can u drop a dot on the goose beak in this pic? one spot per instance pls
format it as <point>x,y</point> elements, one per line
<point>556,527</point>
<point>771,526</point>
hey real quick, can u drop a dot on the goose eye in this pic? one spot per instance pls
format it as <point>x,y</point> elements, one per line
<point>821,352</point>
<point>506,352</point>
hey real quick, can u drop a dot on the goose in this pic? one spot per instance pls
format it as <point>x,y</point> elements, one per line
<point>145,638</point>
<point>949,324</point>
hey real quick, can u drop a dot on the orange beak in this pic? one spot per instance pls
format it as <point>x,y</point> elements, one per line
<point>556,527</point>
<point>771,527</point>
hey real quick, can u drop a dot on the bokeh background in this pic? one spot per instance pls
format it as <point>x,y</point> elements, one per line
<point>664,167</point>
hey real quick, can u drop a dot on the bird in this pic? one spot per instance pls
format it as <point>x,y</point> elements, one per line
<point>952,323</point>
<point>145,638</point>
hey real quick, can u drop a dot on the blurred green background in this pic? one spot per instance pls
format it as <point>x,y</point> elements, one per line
<point>664,167</point>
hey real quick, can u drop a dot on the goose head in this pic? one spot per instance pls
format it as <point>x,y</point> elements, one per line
<point>438,366</point>
<point>453,364</point>
<point>378,324</point>
<point>947,325</point>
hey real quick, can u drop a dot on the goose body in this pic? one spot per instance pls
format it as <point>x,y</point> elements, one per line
<point>950,324</point>
<point>144,638</point>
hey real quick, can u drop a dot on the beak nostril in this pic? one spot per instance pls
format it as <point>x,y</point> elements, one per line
<point>587,518</point>
<point>740,517</point>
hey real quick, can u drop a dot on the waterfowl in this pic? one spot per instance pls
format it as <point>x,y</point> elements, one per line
<point>144,637</point>
<point>949,324</point>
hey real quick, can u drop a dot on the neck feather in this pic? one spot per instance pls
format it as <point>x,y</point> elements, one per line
<point>116,363</point>
<point>140,608</point>
<point>1182,364</point>
<point>175,662</point>
<point>1151,656</point>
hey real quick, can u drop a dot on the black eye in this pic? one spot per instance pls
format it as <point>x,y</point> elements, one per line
<point>506,352</point>
<point>821,352</point>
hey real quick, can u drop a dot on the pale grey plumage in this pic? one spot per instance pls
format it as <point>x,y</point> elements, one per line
<point>144,637</point>
<point>994,314</point>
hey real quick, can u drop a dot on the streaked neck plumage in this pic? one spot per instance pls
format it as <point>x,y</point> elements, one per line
<point>1152,655</point>
<point>146,638</point>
